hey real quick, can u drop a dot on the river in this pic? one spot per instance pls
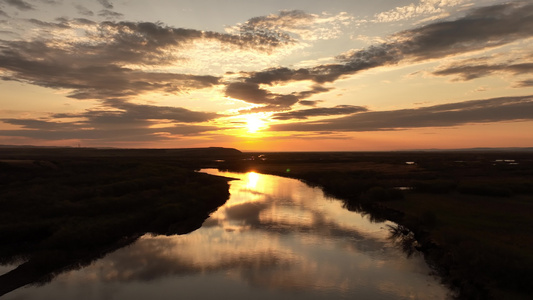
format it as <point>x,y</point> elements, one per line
<point>275,238</point>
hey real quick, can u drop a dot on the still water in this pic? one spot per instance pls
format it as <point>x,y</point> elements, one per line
<point>275,238</point>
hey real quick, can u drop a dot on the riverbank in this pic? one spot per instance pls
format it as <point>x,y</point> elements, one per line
<point>469,212</point>
<point>61,212</point>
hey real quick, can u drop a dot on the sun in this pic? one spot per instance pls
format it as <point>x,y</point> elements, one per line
<point>254,123</point>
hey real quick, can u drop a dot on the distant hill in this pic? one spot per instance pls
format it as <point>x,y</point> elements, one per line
<point>7,151</point>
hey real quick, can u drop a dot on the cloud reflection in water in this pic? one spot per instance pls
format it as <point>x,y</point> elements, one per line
<point>274,237</point>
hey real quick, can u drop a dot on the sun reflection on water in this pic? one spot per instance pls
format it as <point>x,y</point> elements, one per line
<point>252,180</point>
<point>274,235</point>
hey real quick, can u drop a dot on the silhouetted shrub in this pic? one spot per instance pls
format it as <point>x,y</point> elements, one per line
<point>484,190</point>
<point>435,186</point>
<point>376,193</point>
<point>428,219</point>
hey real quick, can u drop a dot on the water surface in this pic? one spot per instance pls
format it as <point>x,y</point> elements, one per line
<point>275,238</point>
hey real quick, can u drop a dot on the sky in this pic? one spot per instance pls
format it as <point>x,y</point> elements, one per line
<point>291,75</point>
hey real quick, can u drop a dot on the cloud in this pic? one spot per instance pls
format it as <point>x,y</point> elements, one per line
<point>51,2</point>
<point>109,14</point>
<point>42,24</point>
<point>134,42</point>
<point>479,29</point>
<point>41,124</point>
<point>93,66</point>
<point>252,93</point>
<point>127,134</point>
<point>123,121</point>
<point>19,4</point>
<point>106,4</point>
<point>149,112</point>
<point>107,61</point>
<point>82,10</point>
<point>423,7</point>
<point>3,14</point>
<point>295,24</point>
<point>121,112</point>
<point>525,83</point>
<point>309,102</point>
<point>38,64</point>
<point>468,70</point>
<point>445,115</point>
<point>316,89</point>
<point>319,111</point>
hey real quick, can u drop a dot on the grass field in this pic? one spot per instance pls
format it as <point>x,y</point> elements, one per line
<point>470,212</point>
<point>62,211</point>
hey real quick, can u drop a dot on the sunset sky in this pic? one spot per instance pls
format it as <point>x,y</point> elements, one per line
<point>291,75</point>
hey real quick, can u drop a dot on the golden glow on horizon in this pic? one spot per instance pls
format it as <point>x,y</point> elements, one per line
<point>291,83</point>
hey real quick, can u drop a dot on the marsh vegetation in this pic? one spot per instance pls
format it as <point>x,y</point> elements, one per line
<point>61,212</point>
<point>469,212</point>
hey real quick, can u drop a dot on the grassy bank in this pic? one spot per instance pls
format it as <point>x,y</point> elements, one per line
<point>61,212</point>
<point>470,212</point>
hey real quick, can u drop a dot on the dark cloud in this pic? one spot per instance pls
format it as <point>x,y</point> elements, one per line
<point>465,71</point>
<point>106,13</point>
<point>94,68</point>
<point>125,112</point>
<point>479,29</point>
<point>525,83</point>
<point>125,43</point>
<point>252,93</point>
<point>51,2</point>
<point>148,112</point>
<point>3,14</point>
<point>146,36</point>
<point>111,134</point>
<point>476,111</point>
<point>82,10</point>
<point>309,102</point>
<point>316,89</point>
<point>319,111</point>
<point>37,63</point>
<point>42,124</point>
<point>248,92</point>
<point>20,4</point>
<point>123,121</point>
<point>60,25</point>
<point>319,74</point>
<point>107,4</point>
<point>83,21</point>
